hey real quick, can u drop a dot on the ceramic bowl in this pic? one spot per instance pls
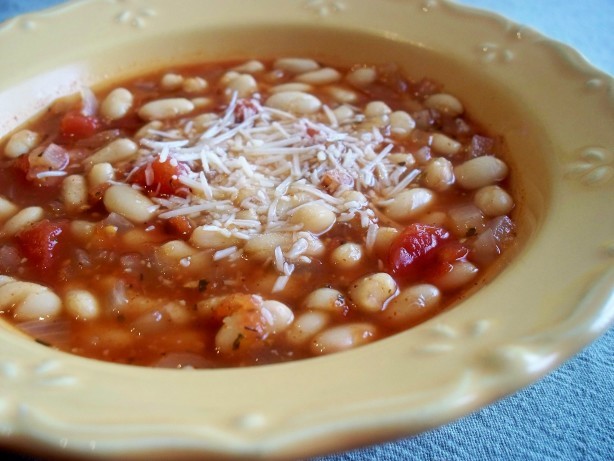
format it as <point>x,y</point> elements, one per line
<point>551,297</point>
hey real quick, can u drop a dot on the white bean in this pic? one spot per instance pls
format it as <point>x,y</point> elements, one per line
<point>296,65</point>
<point>480,171</point>
<point>100,174</point>
<point>43,304</point>
<point>342,338</point>
<point>82,304</point>
<point>342,95</point>
<point>326,299</point>
<point>249,324</point>
<point>149,322</point>
<point>438,174</point>
<point>412,304</point>
<point>493,201</point>
<point>323,76</point>
<point>145,130</point>
<point>351,195</point>
<point>228,77</point>
<point>129,203</point>
<point>22,219</point>
<point>371,292</point>
<point>243,84</point>
<point>7,209</point>
<point>207,307</point>
<point>194,85</point>
<point>82,230</point>
<point>250,67</point>
<point>315,217</point>
<point>315,246</point>
<point>445,145</point>
<point>445,103</point>
<point>306,326</point>
<point>5,279</point>
<point>464,219</point>
<point>137,237</point>
<point>162,109</point>
<point>402,159</point>
<point>171,81</point>
<point>361,76</point>
<point>292,86</point>
<point>174,250</point>
<point>409,203</point>
<point>401,124</point>
<point>278,314</point>
<point>379,122</point>
<point>347,256</point>
<point>383,239</point>
<point>377,109</point>
<point>262,246</point>
<point>249,214</point>
<point>117,104</point>
<point>202,102</point>
<point>178,313</point>
<point>116,151</point>
<point>343,113</point>
<point>21,143</point>
<point>202,237</point>
<point>74,193</point>
<point>29,301</point>
<point>147,306</point>
<point>229,336</point>
<point>295,102</point>
<point>462,273</point>
<point>434,218</point>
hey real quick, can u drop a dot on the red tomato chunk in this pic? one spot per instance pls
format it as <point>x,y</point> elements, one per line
<point>74,125</point>
<point>39,243</point>
<point>161,178</point>
<point>408,253</point>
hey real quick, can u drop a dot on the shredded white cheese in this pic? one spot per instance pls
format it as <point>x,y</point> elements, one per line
<point>266,163</point>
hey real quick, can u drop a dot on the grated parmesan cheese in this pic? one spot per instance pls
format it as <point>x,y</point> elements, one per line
<point>252,157</point>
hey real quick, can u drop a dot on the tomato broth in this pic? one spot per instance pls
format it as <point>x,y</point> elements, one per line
<point>242,213</point>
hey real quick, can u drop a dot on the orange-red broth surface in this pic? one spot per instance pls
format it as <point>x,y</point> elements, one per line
<point>242,213</point>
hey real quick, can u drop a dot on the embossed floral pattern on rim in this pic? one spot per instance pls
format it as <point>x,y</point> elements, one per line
<point>467,357</point>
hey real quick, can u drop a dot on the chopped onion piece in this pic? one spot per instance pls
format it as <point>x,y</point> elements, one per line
<point>89,103</point>
<point>503,230</point>
<point>47,332</point>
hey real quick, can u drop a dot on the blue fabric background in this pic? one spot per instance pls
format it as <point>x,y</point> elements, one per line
<point>569,414</point>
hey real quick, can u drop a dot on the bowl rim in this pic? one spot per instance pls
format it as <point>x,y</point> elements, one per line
<point>493,362</point>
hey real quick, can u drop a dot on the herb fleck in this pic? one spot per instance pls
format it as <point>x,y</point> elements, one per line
<point>237,342</point>
<point>202,285</point>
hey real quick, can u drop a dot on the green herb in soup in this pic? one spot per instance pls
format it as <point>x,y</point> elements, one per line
<point>233,214</point>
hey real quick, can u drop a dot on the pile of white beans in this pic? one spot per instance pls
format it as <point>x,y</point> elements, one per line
<point>362,301</point>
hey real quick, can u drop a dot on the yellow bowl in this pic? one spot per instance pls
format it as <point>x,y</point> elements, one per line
<point>554,295</point>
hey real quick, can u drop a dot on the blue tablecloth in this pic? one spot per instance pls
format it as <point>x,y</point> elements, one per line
<point>569,414</point>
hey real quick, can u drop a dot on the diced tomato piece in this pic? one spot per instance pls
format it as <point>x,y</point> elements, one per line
<point>163,177</point>
<point>179,225</point>
<point>312,131</point>
<point>408,254</point>
<point>75,125</point>
<point>39,243</point>
<point>22,163</point>
<point>441,260</point>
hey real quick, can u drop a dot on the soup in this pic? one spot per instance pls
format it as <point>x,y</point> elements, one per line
<point>242,213</point>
